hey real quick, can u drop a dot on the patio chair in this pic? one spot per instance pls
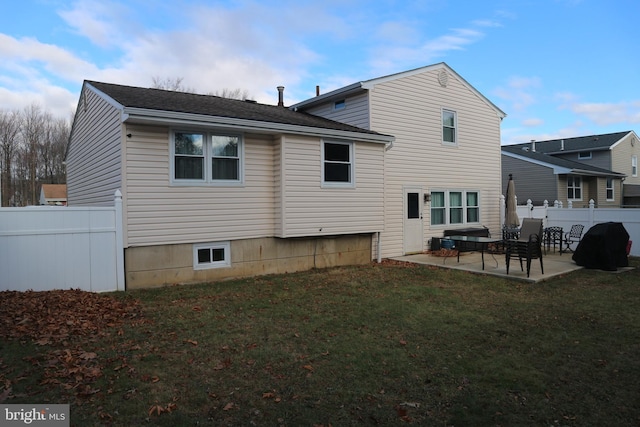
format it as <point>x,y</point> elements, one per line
<point>573,236</point>
<point>552,237</point>
<point>528,245</point>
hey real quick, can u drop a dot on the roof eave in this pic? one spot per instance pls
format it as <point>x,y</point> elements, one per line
<point>171,118</point>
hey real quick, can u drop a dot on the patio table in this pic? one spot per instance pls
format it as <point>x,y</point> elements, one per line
<point>475,242</point>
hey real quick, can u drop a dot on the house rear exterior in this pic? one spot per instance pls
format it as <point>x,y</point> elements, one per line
<point>214,188</point>
<point>443,172</point>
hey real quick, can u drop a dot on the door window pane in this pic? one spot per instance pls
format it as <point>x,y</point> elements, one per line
<point>413,205</point>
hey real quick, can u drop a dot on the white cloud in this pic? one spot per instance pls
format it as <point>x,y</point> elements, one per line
<point>100,22</point>
<point>532,122</point>
<point>520,92</point>
<point>390,59</point>
<point>609,113</point>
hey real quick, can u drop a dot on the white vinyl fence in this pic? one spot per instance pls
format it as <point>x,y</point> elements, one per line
<point>44,248</point>
<point>559,216</point>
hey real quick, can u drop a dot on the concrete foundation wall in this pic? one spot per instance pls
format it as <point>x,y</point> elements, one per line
<point>154,266</point>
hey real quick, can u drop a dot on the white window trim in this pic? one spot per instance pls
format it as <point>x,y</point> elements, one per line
<point>214,264</point>
<point>574,187</point>
<point>208,156</point>
<point>447,207</point>
<point>340,104</point>
<point>455,127</point>
<point>582,157</point>
<point>634,165</point>
<point>612,188</point>
<point>352,169</point>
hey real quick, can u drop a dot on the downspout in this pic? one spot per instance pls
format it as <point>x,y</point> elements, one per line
<point>378,248</point>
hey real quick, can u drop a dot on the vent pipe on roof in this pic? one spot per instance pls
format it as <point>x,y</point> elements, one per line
<point>562,145</point>
<point>317,90</point>
<point>533,145</point>
<point>280,96</point>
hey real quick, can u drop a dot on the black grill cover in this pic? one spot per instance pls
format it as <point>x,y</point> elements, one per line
<point>603,247</point>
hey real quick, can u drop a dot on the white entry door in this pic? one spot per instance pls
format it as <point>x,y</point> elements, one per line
<point>413,231</point>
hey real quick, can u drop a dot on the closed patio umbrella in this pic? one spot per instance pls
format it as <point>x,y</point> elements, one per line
<point>511,219</point>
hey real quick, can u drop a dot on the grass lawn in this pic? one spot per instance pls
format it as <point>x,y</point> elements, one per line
<point>368,345</point>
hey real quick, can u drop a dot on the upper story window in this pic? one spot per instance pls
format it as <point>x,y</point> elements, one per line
<point>454,207</point>
<point>609,188</point>
<point>339,105</point>
<point>574,188</point>
<point>449,127</point>
<point>202,157</point>
<point>584,155</point>
<point>337,164</point>
<point>634,165</point>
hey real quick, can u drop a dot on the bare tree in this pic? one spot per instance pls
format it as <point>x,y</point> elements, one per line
<point>10,122</point>
<point>171,83</point>
<point>175,84</point>
<point>52,150</point>
<point>237,93</point>
<point>33,128</point>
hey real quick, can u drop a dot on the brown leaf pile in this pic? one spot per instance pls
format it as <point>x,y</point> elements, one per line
<point>56,319</point>
<point>52,317</point>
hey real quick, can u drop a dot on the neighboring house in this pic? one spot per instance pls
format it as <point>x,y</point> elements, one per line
<point>599,167</point>
<point>443,170</point>
<point>215,188</point>
<point>53,194</point>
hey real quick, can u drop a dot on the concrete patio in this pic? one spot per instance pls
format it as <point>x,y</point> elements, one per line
<point>555,264</point>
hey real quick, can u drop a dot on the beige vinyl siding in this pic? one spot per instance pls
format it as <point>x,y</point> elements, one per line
<point>621,156</point>
<point>94,156</point>
<point>278,186</point>
<point>355,113</point>
<point>410,108</point>
<point>311,210</point>
<point>160,213</point>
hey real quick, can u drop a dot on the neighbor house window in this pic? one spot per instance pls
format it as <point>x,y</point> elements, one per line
<point>339,105</point>
<point>609,188</point>
<point>454,207</point>
<point>211,255</point>
<point>574,188</point>
<point>206,158</point>
<point>449,127</point>
<point>634,165</point>
<point>583,155</point>
<point>337,164</point>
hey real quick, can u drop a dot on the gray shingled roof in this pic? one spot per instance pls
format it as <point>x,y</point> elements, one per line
<point>209,105</point>
<point>525,151</point>
<point>579,143</point>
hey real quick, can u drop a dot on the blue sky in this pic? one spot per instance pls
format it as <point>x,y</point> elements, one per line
<point>558,68</point>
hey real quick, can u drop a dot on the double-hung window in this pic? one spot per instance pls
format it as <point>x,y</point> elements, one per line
<point>454,207</point>
<point>205,157</point>
<point>337,164</point>
<point>449,127</point>
<point>634,165</point>
<point>609,188</point>
<point>574,188</point>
